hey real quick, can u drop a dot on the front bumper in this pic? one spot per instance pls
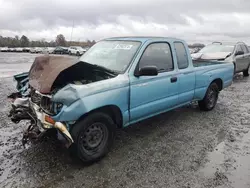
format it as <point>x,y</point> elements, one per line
<point>45,122</point>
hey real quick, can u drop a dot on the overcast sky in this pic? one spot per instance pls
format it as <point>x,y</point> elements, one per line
<point>192,20</point>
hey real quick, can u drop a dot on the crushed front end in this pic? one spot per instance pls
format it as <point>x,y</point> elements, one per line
<point>48,77</point>
<point>38,109</point>
<point>30,105</point>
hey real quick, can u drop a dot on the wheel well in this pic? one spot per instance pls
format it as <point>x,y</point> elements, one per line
<point>113,111</point>
<point>219,83</point>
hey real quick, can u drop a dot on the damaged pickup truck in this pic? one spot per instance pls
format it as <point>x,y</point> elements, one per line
<point>117,82</point>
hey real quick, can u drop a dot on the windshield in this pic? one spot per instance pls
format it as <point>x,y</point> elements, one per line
<point>113,55</point>
<point>217,48</point>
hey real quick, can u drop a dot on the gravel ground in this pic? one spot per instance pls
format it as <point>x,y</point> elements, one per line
<point>184,148</point>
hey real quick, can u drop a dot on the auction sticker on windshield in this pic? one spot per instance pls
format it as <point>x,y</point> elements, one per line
<point>123,47</point>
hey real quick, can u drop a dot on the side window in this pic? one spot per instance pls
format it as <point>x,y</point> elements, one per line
<point>245,50</point>
<point>159,55</point>
<point>181,55</point>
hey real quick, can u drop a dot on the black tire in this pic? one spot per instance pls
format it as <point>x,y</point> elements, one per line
<point>245,72</point>
<point>210,99</point>
<point>77,53</point>
<point>93,137</point>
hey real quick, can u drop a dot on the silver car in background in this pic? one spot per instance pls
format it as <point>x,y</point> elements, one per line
<point>236,53</point>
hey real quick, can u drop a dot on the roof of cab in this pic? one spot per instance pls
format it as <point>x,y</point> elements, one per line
<point>143,38</point>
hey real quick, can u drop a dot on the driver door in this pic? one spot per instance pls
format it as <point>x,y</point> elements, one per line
<point>151,95</point>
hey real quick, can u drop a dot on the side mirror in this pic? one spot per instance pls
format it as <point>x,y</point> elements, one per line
<point>148,71</point>
<point>239,53</point>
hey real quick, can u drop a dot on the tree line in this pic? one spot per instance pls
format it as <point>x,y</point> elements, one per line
<point>60,40</point>
<point>24,41</point>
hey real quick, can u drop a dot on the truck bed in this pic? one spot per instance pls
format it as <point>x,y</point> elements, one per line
<point>207,71</point>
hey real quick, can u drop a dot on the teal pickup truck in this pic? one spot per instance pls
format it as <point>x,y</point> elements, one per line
<point>117,82</point>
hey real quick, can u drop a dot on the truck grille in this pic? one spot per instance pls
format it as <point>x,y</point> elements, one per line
<point>47,105</point>
<point>44,102</point>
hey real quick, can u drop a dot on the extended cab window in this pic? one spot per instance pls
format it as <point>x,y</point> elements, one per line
<point>181,54</point>
<point>244,48</point>
<point>238,48</point>
<point>159,55</point>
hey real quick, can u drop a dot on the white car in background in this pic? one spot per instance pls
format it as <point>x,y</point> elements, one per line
<point>11,49</point>
<point>39,50</point>
<point>48,50</point>
<point>19,50</point>
<point>32,50</point>
<point>36,50</point>
<point>4,49</point>
<point>76,50</point>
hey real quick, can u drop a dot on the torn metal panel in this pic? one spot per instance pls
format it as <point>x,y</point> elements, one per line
<point>21,111</point>
<point>21,102</point>
<point>22,86</point>
<point>60,126</point>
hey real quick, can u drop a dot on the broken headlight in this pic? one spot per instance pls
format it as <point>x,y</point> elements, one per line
<point>50,107</point>
<point>58,107</point>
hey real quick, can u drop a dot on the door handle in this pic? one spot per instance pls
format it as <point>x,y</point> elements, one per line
<point>173,79</point>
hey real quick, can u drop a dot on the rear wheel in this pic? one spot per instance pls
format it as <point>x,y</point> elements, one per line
<point>77,53</point>
<point>93,137</point>
<point>210,99</point>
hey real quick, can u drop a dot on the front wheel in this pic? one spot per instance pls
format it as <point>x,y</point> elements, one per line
<point>210,99</point>
<point>93,137</point>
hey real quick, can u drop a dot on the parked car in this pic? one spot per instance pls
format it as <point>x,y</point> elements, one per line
<point>36,50</point>
<point>32,50</point>
<point>116,83</point>
<point>19,49</point>
<point>4,49</point>
<point>236,53</point>
<point>48,50</point>
<point>11,49</point>
<point>60,50</point>
<point>76,50</point>
<point>26,49</point>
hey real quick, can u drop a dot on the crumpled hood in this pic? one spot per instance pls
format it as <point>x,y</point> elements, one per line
<point>211,56</point>
<point>45,70</point>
